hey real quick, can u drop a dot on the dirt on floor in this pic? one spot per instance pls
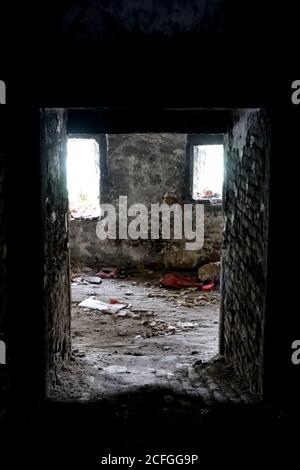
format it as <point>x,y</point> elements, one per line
<point>159,337</point>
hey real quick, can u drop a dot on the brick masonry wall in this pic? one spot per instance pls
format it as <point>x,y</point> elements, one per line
<point>244,266</point>
<point>56,252</point>
<point>144,167</point>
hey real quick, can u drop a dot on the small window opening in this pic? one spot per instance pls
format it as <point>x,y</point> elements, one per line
<point>83,178</point>
<point>207,164</point>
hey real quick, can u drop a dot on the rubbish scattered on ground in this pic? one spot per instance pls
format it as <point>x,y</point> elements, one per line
<point>123,313</point>
<point>178,281</point>
<point>171,328</point>
<point>84,280</point>
<point>102,306</point>
<point>136,315</point>
<point>162,328</point>
<point>208,287</point>
<point>79,280</point>
<point>93,279</point>
<point>187,324</point>
<point>209,272</point>
<point>108,273</point>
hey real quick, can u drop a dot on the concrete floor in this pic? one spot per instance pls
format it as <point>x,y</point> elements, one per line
<point>161,339</point>
<point>136,389</point>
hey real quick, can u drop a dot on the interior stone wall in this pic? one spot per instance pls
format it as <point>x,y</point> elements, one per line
<point>144,168</point>
<point>56,239</point>
<point>244,261</point>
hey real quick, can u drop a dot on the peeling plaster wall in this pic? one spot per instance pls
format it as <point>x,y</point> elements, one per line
<point>144,167</point>
<point>56,251</point>
<point>244,266</point>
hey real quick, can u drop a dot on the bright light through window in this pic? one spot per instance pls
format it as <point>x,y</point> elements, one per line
<point>83,171</point>
<point>207,171</point>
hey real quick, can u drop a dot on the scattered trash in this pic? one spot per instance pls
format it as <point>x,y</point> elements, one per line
<point>187,324</point>
<point>116,369</point>
<point>155,295</point>
<point>179,281</point>
<point>115,301</point>
<point>102,306</point>
<point>208,287</point>
<point>136,315</point>
<point>108,273</point>
<point>93,280</point>
<point>124,313</point>
<point>79,280</point>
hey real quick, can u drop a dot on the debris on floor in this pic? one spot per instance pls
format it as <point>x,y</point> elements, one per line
<point>178,281</point>
<point>189,297</point>
<point>152,337</point>
<point>95,304</point>
<point>108,273</point>
<point>93,279</point>
<point>83,280</point>
<point>208,287</point>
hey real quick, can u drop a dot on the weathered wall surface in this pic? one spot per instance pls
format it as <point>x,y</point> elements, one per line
<point>246,194</point>
<point>55,227</point>
<point>145,167</point>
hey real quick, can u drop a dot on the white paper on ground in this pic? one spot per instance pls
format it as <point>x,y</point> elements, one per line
<point>102,306</point>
